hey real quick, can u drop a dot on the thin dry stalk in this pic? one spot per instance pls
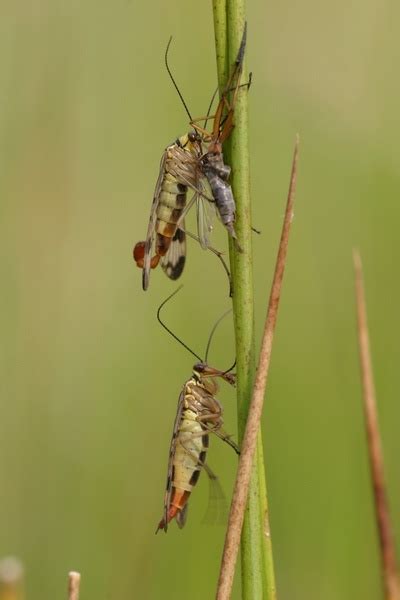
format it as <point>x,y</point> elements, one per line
<point>240,493</point>
<point>387,548</point>
<point>74,580</point>
<point>11,579</point>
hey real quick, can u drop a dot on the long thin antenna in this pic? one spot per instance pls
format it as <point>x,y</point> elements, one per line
<point>210,106</point>
<point>168,329</point>
<point>213,331</point>
<point>173,80</point>
<point>230,368</point>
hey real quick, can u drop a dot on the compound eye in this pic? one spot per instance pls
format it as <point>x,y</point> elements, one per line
<point>193,136</point>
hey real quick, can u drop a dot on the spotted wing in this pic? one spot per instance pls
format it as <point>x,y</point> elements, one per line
<point>174,261</point>
<point>170,473</point>
<point>205,210</point>
<point>148,245</point>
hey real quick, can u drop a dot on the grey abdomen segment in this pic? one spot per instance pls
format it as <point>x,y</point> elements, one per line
<point>222,194</point>
<point>217,174</point>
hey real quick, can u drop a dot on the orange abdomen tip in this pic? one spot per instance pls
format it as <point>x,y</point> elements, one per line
<point>138,253</point>
<point>138,256</point>
<point>178,502</point>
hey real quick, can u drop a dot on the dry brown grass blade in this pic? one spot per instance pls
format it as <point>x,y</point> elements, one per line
<point>239,500</point>
<point>74,580</point>
<point>387,547</point>
<point>11,579</point>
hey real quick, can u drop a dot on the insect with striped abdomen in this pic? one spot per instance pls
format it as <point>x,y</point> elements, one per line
<point>199,413</point>
<point>179,170</point>
<point>193,162</point>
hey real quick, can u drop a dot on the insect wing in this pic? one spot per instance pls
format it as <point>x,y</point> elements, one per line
<point>170,473</point>
<point>183,165</point>
<point>217,508</point>
<point>204,220</point>
<point>174,261</point>
<point>152,225</point>
<point>182,516</point>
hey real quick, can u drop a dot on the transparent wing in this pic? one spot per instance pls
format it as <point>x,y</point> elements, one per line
<point>205,213</point>
<point>148,245</point>
<point>183,165</point>
<point>182,516</point>
<point>217,509</point>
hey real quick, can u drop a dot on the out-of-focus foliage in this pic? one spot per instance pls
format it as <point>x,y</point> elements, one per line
<point>89,382</point>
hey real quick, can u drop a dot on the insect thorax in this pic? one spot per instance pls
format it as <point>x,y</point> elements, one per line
<point>208,384</point>
<point>183,163</point>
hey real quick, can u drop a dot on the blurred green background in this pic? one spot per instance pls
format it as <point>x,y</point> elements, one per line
<point>89,381</point>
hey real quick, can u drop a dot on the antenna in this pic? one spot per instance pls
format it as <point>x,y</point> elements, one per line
<point>230,368</point>
<point>175,84</point>
<point>213,331</point>
<point>169,330</point>
<point>164,302</point>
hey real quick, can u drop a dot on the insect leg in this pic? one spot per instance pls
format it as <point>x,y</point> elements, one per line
<point>227,128</point>
<point>200,129</point>
<point>217,117</point>
<point>247,84</point>
<point>218,254</point>
<point>225,437</point>
<point>226,124</point>
<point>216,429</point>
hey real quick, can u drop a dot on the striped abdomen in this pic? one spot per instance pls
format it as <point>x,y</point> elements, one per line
<point>181,170</point>
<point>165,241</point>
<point>172,202</point>
<point>189,458</point>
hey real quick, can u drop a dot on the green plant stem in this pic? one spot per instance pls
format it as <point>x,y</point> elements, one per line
<point>221,41</point>
<point>258,581</point>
